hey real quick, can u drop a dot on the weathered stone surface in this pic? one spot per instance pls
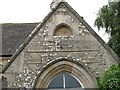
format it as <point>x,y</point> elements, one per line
<point>91,58</point>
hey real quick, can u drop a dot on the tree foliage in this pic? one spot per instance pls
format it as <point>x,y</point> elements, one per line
<point>111,79</point>
<point>109,18</point>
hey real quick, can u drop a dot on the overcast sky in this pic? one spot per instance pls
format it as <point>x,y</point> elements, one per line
<point>30,11</point>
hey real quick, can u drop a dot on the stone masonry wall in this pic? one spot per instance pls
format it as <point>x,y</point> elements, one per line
<point>81,47</point>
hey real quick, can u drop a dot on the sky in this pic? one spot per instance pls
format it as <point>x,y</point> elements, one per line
<point>30,11</point>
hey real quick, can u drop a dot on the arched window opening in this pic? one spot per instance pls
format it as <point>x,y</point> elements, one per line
<point>64,80</point>
<point>63,31</point>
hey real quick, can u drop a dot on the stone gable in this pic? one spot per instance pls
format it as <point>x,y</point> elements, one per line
<point>43,51</point>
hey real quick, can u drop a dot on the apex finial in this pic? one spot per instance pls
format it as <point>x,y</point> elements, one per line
<point>55,3</point>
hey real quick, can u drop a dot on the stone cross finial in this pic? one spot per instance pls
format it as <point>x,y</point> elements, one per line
<point>55,3</point>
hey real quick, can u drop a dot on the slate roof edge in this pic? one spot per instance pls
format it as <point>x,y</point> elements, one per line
<point>13,35</point>
<point>20,23</point>
<point>44,21</point>
<point>39,26</point>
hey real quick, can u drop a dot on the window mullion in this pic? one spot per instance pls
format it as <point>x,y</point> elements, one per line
<point>63,80</point>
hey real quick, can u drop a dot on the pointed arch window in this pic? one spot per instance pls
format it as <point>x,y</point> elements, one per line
<point>64,80</point>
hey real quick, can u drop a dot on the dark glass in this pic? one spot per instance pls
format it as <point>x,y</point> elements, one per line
<point>57,82</point>
<point>71,82</point>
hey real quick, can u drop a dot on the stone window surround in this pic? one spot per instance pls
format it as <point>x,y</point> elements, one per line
<point>77,69</point>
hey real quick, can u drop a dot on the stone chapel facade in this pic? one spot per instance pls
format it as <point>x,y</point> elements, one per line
<point>63,51</point>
